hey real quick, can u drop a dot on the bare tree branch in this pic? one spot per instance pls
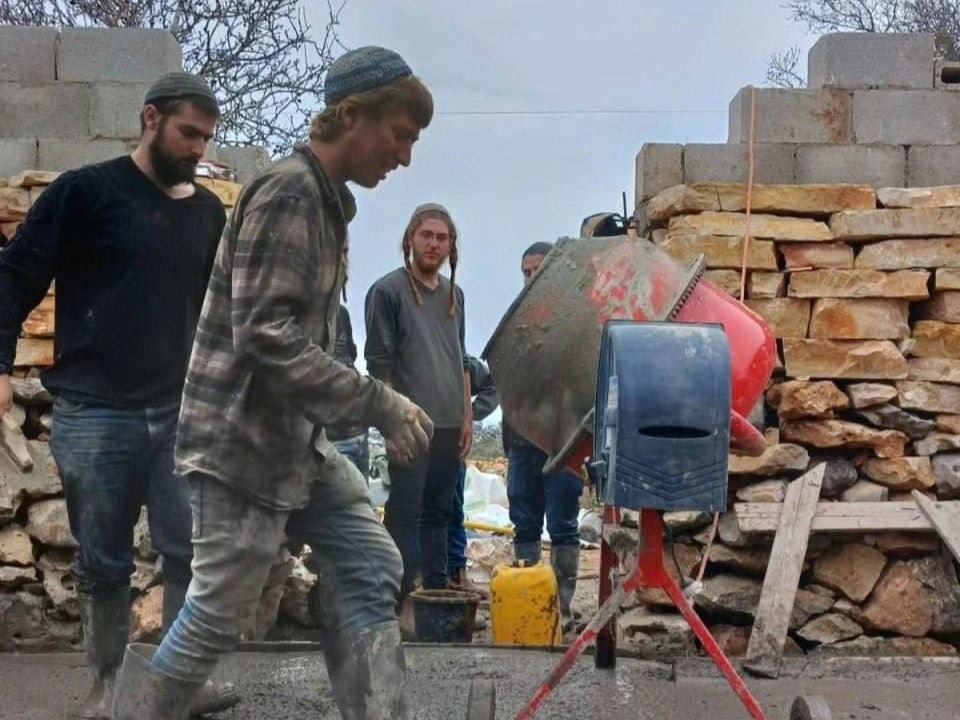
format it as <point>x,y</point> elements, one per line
<point>782,69</point>
<point>262,57</point>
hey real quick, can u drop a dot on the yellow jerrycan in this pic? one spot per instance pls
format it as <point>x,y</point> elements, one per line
<point>523,605</point>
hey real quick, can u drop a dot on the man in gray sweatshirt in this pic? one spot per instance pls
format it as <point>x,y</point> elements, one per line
<point>415,343</point>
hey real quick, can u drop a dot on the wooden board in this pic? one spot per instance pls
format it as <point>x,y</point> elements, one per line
<point>772,619</point>
<point>944,517</point>
<point>842,516</point>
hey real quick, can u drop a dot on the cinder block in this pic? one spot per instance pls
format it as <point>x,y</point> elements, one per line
<point>946,75</point>
<point>49,110</point>
<point>872,60</point>
<point>28,55</point>
<point>659,166</point>
<point>792,116</point>
<point>17,154</point>
<point>115,109</point>
<point>876,165</point>
<point>60,154</point>
<point>245,161</point>
<point>730,163</point>
<point>906,117</point>
<point>116,54</point>
<point>932,166</point>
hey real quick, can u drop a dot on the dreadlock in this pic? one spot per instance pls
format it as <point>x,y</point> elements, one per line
<point>418,217</point>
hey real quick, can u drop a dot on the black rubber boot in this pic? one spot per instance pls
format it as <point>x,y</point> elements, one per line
<point>565,560</point>
<point>106,625</point>
<point>367,672</point>
<point>213,697</point>
<point>530,552</point>
<point>142,693</point>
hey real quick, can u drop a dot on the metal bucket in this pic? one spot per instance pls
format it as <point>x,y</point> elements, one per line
<point>545,351</point>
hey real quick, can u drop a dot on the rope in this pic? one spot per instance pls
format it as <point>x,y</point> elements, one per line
<point>743,294</point>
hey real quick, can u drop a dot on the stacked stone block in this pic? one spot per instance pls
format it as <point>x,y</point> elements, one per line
<point>878,109</point>
<point>862,290</point>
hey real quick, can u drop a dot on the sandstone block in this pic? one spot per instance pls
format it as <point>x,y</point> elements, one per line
<point>899,604</point>
<point>942,306</point>
<point>843,359</point>
<point>34,352</point>
<point>917,253</point>
<point>227,192</point>
<point>856,225</point>
<point>936,443</point>
<point>15,546</point>
<point>146,616</point>
<point>726,280</point>
<point>830,628</point>
<point>720,251</point>
<point>12,578</point>
<point>816,255</point>
<point>939,577</point>
<point>842,433</point>
<point>935,339</point>
<point>792,116</point>
<point>764,227</point>
<point>903,544</point>
<point>776,460</point>
<point>936,369</point>
<point>796,399</point>
<point>14,204</point>
<point>787,317</point>
<point>928,396</point>
<point>852,569</point>
<point>844,283</point>
<point>40,321</point>
<point>47,523</point>
<point>949,424</point>
<point>859,319</point>
<point>903,474</point>
<point>947,279</point>
<point>765,285</point>
<point>920,197</point>
<point>865,491</point>
<point>763,491</point>
<point>865,395</point>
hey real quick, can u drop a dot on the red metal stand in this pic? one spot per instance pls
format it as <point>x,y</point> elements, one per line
<point>649,572</point>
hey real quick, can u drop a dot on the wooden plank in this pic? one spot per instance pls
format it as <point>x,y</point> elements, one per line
<point>944,517</point>
<point>842,516</point>
<point>772,619</point>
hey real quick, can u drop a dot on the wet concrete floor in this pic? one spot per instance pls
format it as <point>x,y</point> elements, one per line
<point>292,685</point>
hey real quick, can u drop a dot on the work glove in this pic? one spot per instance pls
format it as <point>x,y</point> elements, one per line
<point>406,428</point>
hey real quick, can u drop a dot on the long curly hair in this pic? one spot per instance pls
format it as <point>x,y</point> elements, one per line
<point>415,222</point>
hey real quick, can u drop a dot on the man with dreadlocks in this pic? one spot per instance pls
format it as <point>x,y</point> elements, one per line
<point>415,343</point>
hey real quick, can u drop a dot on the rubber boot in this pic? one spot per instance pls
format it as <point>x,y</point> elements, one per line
<point>213,697</point>
<point>142,693</point>
<point>529,551</point>
<point>565,560</point>
<point>106,625</point>
<point>367,672</point>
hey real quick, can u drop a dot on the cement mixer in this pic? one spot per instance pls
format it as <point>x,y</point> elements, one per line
<point>543,355</point>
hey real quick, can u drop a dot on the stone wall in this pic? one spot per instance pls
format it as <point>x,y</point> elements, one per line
<point>72,97</point>
<point>878,109</point>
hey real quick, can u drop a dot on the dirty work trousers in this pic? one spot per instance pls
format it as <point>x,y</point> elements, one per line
<point>419,508</point>
<point>111,463</point>
<point>456,533</point>
<point>235,544</point>
<point>534,495</point>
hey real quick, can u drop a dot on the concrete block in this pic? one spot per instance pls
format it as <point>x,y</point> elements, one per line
<point>792,116</point>
<point>906,117</point>
<point>48,110</point>
<point>28,55</point>
<point>60,154</point>
<point>946,75</point>
<point>929,166</point>
<point>245,161</point>
<point>116,54</point>
<point>872,60</point>
<point>773,163</point>
<point>659,166</point>
<point>115,109</point>
<point>875,165</point>
<point>16,155</point>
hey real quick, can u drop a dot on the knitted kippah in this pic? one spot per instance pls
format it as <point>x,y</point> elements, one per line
<point>365,68</point>
<point>178,85</point>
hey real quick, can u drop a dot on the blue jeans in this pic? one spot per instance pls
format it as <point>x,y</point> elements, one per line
<point>419,508</point>
<point>236,541</point>
<point>112,462</point>
<point>357,450</point>
<point>534,495</point>
<point>456,533</point>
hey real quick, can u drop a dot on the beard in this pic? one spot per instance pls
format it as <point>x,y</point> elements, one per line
<point>427,265</point>
<point>170,170</point>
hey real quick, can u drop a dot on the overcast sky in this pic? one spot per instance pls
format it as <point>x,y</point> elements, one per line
<point>512,177</point>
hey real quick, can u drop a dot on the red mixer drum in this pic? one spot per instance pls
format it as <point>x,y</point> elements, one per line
<point>545,351</point>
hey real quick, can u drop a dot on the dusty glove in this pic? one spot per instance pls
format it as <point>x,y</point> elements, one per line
<point>406,428</point>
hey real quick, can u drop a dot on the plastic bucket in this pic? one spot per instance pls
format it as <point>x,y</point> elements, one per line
<point>444,616</point>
